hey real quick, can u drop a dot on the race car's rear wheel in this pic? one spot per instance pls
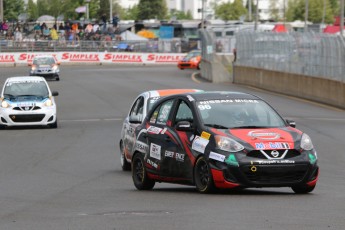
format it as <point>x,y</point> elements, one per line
<point>124,163</point>
<point>203,176</point>
<point>139,175</point>
<point>303,189</point>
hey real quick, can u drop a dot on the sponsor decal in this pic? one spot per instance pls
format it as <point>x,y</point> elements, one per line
<point>228,101</point>
<point>199,144</point>
<point>154,129</point>
<point>153,164</point>
<point>205,135</point>
<point>217,156</point>
<point>275,153</point>
<point>133,58</point>
<point>141,146</point>
<point>163,58</point>
<point>272,145</point>
<point>177,156</point>
<point>190,98</point>
<point>155,151</point>
<point>273,162</point>
<point>263,135</point>
<point>81,57</point>
<point>7,58</point>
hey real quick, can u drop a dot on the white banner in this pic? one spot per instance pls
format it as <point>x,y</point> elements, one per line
<point>95,57</point>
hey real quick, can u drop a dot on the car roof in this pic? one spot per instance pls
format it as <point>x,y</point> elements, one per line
<point>44,56</point>
<point>25,78</point>
<point>167,92</point>
<point>214,95</point>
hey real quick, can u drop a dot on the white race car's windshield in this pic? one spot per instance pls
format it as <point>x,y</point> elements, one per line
<point>44,61</point>
<point>225,114</point>
<point>151,102</point>
<point>27,88</point>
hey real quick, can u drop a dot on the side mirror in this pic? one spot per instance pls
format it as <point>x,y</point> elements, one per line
<point>184,126</point>
<point>291,123</point>
<point>135,119</point>
<point>55,93</point>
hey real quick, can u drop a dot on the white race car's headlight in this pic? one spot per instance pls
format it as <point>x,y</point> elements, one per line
<point>306,143</point>
<point>4,104</point>
<point>48,103</point>
<point>55,67</point>
<point>228,144</point>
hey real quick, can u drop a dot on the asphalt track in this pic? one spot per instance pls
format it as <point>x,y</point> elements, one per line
<point>70,178</point>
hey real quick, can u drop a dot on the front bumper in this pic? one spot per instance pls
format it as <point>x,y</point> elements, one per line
<point>45,74</point>
<point>12,117</point>
<point>265,173</point>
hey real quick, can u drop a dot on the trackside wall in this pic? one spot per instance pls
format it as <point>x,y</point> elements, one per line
<point>317,89</point>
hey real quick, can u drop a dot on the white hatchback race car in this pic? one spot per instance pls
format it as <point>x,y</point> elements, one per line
<point>27,101</point>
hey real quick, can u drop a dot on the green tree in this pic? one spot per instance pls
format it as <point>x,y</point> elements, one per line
<point>230,11</point>
<point>181,15</point>
<point>131,13</point>
<point>12,9</point>
<point>152,9</point>
<point>296,10</point>
<point>32,10</point>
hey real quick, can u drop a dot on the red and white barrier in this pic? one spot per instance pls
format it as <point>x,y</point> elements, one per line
<point>95,57</point>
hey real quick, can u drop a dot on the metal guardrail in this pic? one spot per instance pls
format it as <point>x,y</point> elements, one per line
<point>159,46</point>
<point>313,54</point>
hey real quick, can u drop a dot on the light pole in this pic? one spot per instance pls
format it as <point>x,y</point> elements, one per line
<point>256,15</point>
<point>1,10</point>
<point>342,18</point>
<point>202,14</point>
<point>111,10</point>
<point>87,8</point>
<point>306,16</point>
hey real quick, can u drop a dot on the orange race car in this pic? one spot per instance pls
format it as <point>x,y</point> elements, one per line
<point>191,60</point>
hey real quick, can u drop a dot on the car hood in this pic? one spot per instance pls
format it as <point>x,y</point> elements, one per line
<point>267,138</point>
<point>26,100</point>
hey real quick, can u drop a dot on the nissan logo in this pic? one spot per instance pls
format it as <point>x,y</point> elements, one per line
<point>275,153</point>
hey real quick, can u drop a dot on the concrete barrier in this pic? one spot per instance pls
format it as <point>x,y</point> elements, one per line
<point>219,69</point>
<point>312,88</point>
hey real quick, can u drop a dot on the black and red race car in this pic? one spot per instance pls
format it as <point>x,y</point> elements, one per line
<point>222,140</point>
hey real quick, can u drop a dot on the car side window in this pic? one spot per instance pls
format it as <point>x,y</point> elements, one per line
<point>184,113</point>
<point>137,108</point>
<point>161,113</point>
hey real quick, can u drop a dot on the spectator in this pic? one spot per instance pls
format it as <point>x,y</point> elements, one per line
<point>115,21</point>
<point>61,29</point>
<point>67,30</point>
<point>53,34</point>
<point>104,21</point>
<point>18,36</point>
<point>43,26</point>
<point>89,28</point>
<point>75,27</point>
<point>45,31</point>
<point>95,27</point>
<point>5,27</point>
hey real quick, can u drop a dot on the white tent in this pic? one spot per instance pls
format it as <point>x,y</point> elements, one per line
<point>130,36</point>
<point>46,18</point>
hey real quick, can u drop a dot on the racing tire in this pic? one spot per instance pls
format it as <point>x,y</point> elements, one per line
<point>303,189</point>
<point>203,176</point>
<point>198,66</point>
<point>53,125</point>
<point>124,163</point>
<point>139,174</point>
<point>57,79</point>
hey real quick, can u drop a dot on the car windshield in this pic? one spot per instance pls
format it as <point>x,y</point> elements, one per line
<point>193,54</point>
<point>26,88</point>
<point>241,113</point>
<point>44,61</point>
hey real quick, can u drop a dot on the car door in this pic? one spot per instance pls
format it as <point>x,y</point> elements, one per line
<point>157,140</point>
<point>134,118</point>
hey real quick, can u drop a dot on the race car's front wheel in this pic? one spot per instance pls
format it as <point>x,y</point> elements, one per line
<point>53,125</point>
<point>303,189</point>
<point>139,175</point>
<point>124,163</point>
<point>203,176</point>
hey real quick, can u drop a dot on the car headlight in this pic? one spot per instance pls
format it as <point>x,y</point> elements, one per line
<point>5,104</point>
<point>306,143</point>
<point>48,103</point>
<point>228,144</point>
<point>33,68</point>
<point>55,67</point>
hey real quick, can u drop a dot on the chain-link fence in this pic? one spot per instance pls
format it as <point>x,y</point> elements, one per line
<point>313,54</point>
